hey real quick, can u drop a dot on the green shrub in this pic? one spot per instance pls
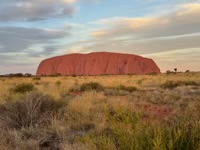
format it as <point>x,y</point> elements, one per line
<point>130,88</point>
<point>75,89</point>
<point>174,84</point>
<point>91,86</point>
<point>23,88</point>
<point>127,88</point>
<point>36,78</point>
<point>170,85</point>
<point>120,90</point>
<point>58,83</point>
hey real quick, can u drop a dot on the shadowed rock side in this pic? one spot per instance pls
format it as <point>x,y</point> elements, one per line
<point>97,64</point>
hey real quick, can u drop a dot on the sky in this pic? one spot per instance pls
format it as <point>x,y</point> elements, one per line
<point>168,31</point>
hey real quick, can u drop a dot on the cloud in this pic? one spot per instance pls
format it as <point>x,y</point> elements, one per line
<point>34,10</point>
<point>183,21</point>
<point>16,39</point>
<point>176,30</point>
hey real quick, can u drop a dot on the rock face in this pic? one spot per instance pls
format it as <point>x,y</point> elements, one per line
<point>97,64</point>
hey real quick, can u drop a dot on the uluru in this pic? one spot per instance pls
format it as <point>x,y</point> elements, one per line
<point>99,63</point>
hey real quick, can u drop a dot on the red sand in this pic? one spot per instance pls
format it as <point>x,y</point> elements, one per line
<point>97,64</point>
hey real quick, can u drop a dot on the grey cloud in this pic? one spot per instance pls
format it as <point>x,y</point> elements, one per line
<point>146,46</point>
<point>34,10</point>
<point>16,39</point>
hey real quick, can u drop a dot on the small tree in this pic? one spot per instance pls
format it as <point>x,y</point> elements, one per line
<point>175,69</point>
<point>168,71</point>
<point>187,71</point>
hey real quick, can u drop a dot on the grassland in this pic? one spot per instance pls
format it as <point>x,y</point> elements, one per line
<point>129,112</point>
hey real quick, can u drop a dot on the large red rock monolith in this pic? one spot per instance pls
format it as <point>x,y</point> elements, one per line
<point>98,63</point>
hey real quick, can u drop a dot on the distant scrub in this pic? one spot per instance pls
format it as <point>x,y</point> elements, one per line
<point>23,88</point>
<point>17,75</point>
<point>173,84</point>
<point>55,75</point>
<point>152,73</point>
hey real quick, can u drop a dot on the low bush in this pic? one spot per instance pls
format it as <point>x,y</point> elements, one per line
<point>174,84</point>
<point>73,75</point>
<point>31,111</point>
<point>23,88</point>
<point>127,88</point>
<point>120,90</point>
<point>91,86</point>
<point>36,78</point>
<point>75,88</point>
<point>58,83</point>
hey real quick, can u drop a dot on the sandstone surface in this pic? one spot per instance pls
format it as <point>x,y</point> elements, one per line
<point>98,63</point>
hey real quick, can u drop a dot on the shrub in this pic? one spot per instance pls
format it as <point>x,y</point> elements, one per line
<point>58,83</point>
<point>187,71</point>
<point>23,88</point>
<point>91,86</point>
<point>127,88</point>
<point>152,73</point>
<point>174,84</point>
<point>140,81</point>
<point>187,83</point>
<point>37,83</point>
<point>121,88</point>
<point>55,75</point>
<point>27,75</point>
<point>73,75</point>
<point>36,78</point>
<point>168,71</point>
<point>75,89</point>
<point>169,85</point>
<point>16,75</point>
<point>31,111</point>
<point>130,88</point>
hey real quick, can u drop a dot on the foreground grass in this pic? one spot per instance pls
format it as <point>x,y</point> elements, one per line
<point>160,112</point>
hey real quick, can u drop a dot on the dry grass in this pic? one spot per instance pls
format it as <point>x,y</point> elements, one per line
<point>109,113</point>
